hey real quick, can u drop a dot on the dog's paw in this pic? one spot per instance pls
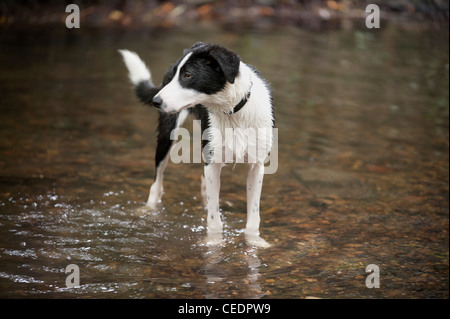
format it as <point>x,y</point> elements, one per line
<point>214,239</point>
<point>156,193</point>
<point>256,240</point>
<point>151,205</point>
<point>143,211</point>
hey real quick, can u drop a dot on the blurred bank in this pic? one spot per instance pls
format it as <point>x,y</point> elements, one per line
<point>310,14</point>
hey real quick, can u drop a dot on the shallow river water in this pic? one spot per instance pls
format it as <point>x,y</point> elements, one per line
<point>362,179</point>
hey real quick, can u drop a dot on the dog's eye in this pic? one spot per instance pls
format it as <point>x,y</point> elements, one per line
<point>187,76</point>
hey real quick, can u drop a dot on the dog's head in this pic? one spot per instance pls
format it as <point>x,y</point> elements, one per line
<point>202,72</point>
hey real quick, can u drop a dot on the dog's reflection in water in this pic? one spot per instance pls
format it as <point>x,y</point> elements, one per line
<point>219,276</point>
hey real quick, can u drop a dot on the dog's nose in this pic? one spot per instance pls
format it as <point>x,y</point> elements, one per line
<point>157,101</point>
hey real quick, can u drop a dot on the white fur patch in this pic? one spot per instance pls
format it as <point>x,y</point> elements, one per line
<point>137,69</point>
<point>175,97</point>
<point>251,125</point>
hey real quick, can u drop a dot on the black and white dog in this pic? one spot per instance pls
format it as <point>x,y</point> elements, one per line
<point>211,83</point>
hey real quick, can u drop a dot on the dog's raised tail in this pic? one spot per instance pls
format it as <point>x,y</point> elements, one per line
<point>140,76</point>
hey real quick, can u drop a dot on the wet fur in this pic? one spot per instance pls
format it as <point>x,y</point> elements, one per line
<point>208,81</point>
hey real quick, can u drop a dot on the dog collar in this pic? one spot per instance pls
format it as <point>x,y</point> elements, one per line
<point>244,100</point>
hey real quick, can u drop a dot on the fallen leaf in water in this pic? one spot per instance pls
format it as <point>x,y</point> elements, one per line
<point>378,169</point>
<point>115,15</point>
<point>271,210</point>
<point>357,164</point>
<point>352,245</point>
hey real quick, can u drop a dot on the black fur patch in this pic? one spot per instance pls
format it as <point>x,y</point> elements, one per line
<point>210,67</point>
<point>203,74</point>
<point>146,91</point>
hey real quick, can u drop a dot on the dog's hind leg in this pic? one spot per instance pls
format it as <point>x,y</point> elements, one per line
<point>167,123</point>
<point>157,189</point>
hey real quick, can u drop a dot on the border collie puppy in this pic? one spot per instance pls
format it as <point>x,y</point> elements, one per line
<point>230,99</point>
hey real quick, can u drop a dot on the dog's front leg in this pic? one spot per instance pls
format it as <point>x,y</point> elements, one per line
<point>212,179</point>
<point>254,186</point>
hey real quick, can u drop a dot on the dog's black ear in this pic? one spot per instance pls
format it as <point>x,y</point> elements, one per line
<point>194,46</point>
<point>197,45</point>
<point>227,60</point>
